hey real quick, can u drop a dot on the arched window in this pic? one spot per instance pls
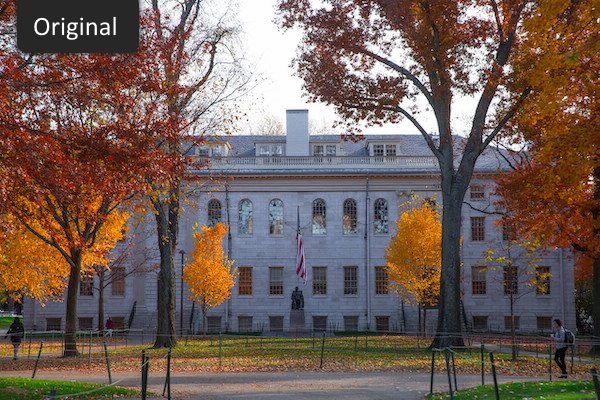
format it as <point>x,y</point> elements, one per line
<point>349,219</point>
<point>319,217</point>
<point>276,217</point>
<point>245,217</point>
<point>214,213</point>
<point>381,216</point>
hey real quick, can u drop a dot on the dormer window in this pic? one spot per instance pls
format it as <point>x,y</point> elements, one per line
<point>384,150</point>
<point>269,149</point>
<point>320,150</point>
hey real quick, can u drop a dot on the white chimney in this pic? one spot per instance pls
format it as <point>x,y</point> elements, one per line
<point>296,138</point>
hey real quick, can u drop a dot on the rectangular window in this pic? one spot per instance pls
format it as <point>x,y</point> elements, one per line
<point>319,323</point>
<point>53,324</point>
<point>508,232</point>
<point>118,281</point>
<point>86,324</point>
<point>508,323</point>
<point>390,149</point>
<point>276,324</point>
<point>350,323</point>
<point>276,281</point>
<point>213,324</point>
<point>544,323</point>
<point>478,277</point>
<point>319,280</point>
<point>318,150</point>
<point>480,323</point>
<point>382,323</point>
<point>381,281</point>
<point>245,281</point>
<point>477,192</point>
<point>477,229</point>
<point>86,286</point>
<point>350,280</point>
<point>542,280</point>
<point>378,150</point>
<point>331,149</point>
<point>511,280</point>
<point>245,324</point>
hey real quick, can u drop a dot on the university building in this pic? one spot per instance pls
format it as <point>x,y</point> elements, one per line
<point>345,196</point>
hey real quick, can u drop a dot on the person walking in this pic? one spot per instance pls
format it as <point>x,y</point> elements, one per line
<point>109,327</point>
<point>16,332</point>
<point>561,346</point>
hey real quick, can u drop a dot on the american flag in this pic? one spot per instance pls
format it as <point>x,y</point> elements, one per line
<point>300,261</point>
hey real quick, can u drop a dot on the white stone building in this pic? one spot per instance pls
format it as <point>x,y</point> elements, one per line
<point>345,195</point>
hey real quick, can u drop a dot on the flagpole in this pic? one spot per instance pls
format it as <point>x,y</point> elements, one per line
<point>297,230</point>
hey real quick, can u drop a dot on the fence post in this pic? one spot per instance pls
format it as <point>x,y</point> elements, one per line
<point>38,360</point>
<point>453,370</point>
<point>107,363</point>
<point>322,349</point>
<point>432,371</point>
<point>29,352</point>
<point>220,349</point>
<point>448,371</point>
<point>366,341</point>
<point>494,375</point>
<point>90,352</point>
<point>596,384</point>
<point>168,378</point>
<point>572,355</point>
<point>52,395</point>
<point>143,375</point>
<point>482,364</point>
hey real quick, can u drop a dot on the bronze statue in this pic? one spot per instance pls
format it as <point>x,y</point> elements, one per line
<point>297,300</point>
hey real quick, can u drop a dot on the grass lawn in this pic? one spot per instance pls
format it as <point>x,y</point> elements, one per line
<point>254,354</point>
<point>6,321</point>
<point>563,390</point>
<point>31,389</point>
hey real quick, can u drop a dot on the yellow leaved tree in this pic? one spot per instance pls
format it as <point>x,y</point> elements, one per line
<point>414,255</point>
<point>32,266</point>
<point>209,275</point>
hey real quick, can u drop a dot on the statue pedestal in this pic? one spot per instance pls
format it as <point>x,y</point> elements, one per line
<point>297,323</point>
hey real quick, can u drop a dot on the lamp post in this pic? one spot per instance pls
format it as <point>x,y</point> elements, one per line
<point>182,252</point>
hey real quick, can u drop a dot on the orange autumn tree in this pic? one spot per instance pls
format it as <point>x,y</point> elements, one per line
<point>414,256</point>
<point>209,275</point>
<point>553,191</point>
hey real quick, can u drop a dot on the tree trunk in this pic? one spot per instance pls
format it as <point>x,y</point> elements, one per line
<point>449,331</point>
<point>101,275</point>
<point>596,267</point>
<point>425,321</point>
<point>203,318</point>
<point>165,330</point>
<point>70,339</point>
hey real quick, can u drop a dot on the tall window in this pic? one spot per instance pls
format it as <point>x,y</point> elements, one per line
<point>381,216</point>
<point>319,280</point>
<point>245,281</point>
<point>349,222</point>
<point>542,280</point>
<point>478,279</point>
<point>319,217</point>
<point>477,229</point>
<point>276,217</point>
<point>118,281</point>
<point>508,321</point>
<point>214,213</point>
<point>275,281</point>
<point>245,217</point>
<point>382,323</point>
<point>381,281</point>
<point>511,281</point>
<point>86,286</point>
<point>508,232</point>
<point>350,280</point>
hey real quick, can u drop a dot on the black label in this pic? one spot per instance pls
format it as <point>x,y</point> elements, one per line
<point>78,26</point>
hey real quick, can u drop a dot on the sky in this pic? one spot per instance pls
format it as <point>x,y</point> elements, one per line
<point>270,52</point>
